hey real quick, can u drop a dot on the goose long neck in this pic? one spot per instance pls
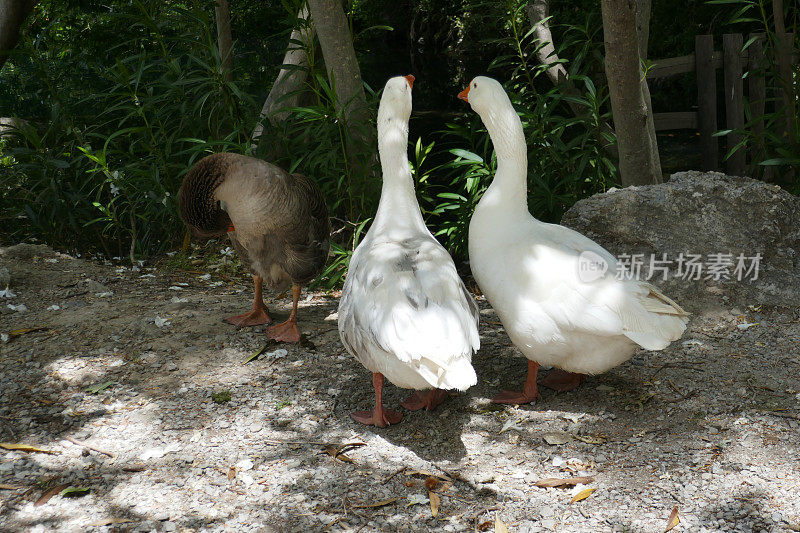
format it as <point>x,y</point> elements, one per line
<point>509,189</point>
<point>398,207</point>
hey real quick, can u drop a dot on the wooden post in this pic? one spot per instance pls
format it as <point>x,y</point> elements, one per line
<point>734,108</point>
<point>783,49</point>
<point>785,100</point>
<point>757,94</point>
<point>706,100</point>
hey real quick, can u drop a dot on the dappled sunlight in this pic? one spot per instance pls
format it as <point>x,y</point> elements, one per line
<point>659,431</point>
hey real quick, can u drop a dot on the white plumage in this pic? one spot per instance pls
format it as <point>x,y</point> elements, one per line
<point>530,270</point>
<point>404,311</point>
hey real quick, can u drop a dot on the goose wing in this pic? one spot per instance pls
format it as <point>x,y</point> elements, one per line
<point>277,211</point>
<point>406,300</point>
<point>601,304</point>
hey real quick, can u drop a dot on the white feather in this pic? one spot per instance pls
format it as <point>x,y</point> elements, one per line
<point>404,311</point>
<point>529,270</point>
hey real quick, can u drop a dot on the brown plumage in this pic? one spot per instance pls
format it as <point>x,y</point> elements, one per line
<point>277,222</point>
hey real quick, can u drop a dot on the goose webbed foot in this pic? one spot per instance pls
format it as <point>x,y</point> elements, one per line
<point>528,394</point>
<point>516,397</point>
<point>377,417</point>
<point>562,381</point>
<point>251,318</point>
<point>427,400</point>
<point>285,331</point>
<point>259,313</point>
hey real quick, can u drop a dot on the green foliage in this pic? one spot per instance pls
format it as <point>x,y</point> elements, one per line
<point>106,180</point>
<point>121,98</point>
<point>774,136</point>
<point>221,396</point>
<point>567,157</point>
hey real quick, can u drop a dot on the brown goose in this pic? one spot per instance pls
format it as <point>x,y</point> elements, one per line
<point>277,222</point>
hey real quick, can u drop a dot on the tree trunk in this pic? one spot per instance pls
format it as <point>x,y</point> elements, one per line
<point>224,40</point>
<point>12,15</point>
<point>783,50</point>
<point>538,11</point>
<point>333,32</point>
<point>643,9</point>
<point>285,91</point>
<point>638,164</point>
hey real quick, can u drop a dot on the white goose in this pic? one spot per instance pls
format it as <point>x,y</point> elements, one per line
<point>529,272</point>
<point>405,313</point>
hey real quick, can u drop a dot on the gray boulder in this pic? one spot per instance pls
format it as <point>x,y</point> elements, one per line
<point>703,214</point>
<point>26,252</point>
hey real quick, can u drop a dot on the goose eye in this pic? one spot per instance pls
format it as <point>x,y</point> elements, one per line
<point>474,85</point>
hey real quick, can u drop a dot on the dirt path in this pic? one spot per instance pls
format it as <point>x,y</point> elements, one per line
<point>709,426</point>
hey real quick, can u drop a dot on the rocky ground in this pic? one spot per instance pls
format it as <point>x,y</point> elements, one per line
<point>154,421</point>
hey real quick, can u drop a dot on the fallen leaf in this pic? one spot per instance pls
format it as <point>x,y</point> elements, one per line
<point>573,417</point>
<point>25,448</point>
<point>376,504</point>
<point>590,439</point>
<point>555,438</point>
<point>74,492</point>
<point>674,520</point>
<point>23,331</point>
<point>499,525</point>
<point>258,353</point>
<point>562,482</point>
<point>9,487</point>
<point>338,452</point>
<point>44,498</point>
<point>416,499</point>
<point>435,501</point>
<point>99,387</point>
<point>231,473</point>
<point>582,495</point>
<point>109,521</point>
<point>511,423</point>
<point>573,464</point>
<point>484,526</point>
<point>427,474</point>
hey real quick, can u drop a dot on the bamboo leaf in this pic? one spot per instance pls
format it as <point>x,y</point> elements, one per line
<point>26,448</point>
<point>673,520</point>
<point>435,501</point>
<point>582,495</point>
<point>499,525</point>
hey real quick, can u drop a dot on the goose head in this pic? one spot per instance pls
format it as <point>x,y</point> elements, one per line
<point>483,93</point>
<point>396,99</point>
<point>488,98</point>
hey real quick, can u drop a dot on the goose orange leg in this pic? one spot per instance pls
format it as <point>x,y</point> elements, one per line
<point>259,313</point>
<point>287,331</point>
<point>379,416</point>
<point>562,381</point>
<point>424,399</point>
<point>529,392</point>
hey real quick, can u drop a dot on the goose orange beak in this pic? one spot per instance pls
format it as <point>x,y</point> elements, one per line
<point>410,79</point>
<point>464,95</point>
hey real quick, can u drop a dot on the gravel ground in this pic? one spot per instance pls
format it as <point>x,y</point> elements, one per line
<point>121,385</point>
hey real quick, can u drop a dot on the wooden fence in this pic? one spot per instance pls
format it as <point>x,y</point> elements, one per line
<point>705,61</point>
